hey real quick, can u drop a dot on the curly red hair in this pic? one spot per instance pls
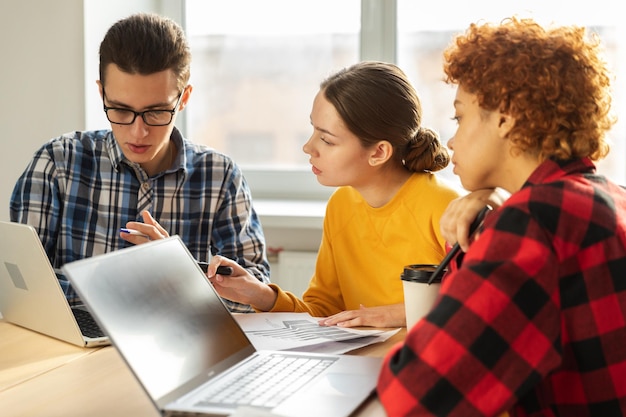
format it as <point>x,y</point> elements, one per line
<point>554,82</point>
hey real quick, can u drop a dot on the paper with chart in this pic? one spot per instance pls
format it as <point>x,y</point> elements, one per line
<point>300,331</point>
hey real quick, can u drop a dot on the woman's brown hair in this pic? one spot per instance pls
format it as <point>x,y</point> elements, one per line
<point>377,102</point>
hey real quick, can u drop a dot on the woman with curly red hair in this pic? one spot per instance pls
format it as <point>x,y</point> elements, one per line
<point>532,319</point>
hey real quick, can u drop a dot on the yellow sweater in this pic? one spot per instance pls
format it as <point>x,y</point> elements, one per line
<point>364,249</point>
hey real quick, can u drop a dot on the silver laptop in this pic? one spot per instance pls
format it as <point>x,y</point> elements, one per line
<point>187,350</point>
<point>30,293</point>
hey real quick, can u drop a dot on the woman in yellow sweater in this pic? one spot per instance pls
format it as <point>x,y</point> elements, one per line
<point>368,141</point>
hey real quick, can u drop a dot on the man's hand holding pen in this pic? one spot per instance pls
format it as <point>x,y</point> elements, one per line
<point>138,232</point>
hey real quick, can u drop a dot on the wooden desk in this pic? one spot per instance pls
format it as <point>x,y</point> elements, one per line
<point>100,384</point>
<point>25,354</point>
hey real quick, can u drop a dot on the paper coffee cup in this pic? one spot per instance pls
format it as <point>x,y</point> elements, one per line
<point>418,295</point>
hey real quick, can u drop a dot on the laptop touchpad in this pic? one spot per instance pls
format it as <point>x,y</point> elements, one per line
<point>328,395</point>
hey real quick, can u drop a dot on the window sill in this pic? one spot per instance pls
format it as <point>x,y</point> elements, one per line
<point>291,214</point>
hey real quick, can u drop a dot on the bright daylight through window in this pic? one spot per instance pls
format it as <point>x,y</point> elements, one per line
<point>257,66</point>
<point>256,74</point>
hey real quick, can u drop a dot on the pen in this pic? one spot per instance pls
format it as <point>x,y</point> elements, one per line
<point>456,248</point>
<point>222,270</point>
<point>133,232</point>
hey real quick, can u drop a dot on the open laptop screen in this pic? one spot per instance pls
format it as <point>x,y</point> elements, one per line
<point>158,312</point>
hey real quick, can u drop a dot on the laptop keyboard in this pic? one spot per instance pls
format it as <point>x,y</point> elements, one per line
<point>268,383</point>
<point>87,324</point>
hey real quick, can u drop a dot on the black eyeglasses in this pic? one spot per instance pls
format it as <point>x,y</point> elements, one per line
<point>150,117</point>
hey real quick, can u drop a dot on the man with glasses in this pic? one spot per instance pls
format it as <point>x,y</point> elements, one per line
<point>80,189</point>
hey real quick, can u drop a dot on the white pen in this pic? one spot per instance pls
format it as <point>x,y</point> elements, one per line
<point>133,232</point>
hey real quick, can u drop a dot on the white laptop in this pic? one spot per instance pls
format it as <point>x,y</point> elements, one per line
<point>181,342</point>
<point>30,293</point>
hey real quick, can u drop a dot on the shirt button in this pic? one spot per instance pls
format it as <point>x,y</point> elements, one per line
<point>146,186</point>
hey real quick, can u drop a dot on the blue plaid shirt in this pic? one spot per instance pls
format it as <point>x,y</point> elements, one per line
<point>79,190</point>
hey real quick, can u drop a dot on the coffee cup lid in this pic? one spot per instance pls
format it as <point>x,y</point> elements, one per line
<point>420,273</point>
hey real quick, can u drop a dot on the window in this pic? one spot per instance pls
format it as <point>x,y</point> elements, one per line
<point>260,64</point>
<point>257,66</point>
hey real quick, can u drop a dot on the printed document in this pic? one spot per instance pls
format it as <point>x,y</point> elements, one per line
<point>300,332</point>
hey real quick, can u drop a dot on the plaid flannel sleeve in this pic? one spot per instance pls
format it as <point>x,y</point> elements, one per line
<point>492,335</point>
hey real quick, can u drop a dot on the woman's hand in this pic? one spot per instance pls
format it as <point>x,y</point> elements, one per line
<point>240,286</point>
<point>381,316</point>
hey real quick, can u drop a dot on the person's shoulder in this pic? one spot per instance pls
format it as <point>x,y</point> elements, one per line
<point>201,152</point>
<point>565,205</point>
<point>78,140</point>
<point>556,192</point>
<point>205,159</point>
<point>434,186</point>
<point>443,184</point>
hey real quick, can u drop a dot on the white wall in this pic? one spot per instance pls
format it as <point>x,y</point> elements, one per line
<point>41,82</point>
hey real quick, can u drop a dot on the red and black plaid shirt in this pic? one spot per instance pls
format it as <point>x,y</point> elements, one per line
<point>534,319</point>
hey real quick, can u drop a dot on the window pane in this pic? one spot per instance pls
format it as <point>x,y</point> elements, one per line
<point>423,33</point>
<point>256,69</point>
